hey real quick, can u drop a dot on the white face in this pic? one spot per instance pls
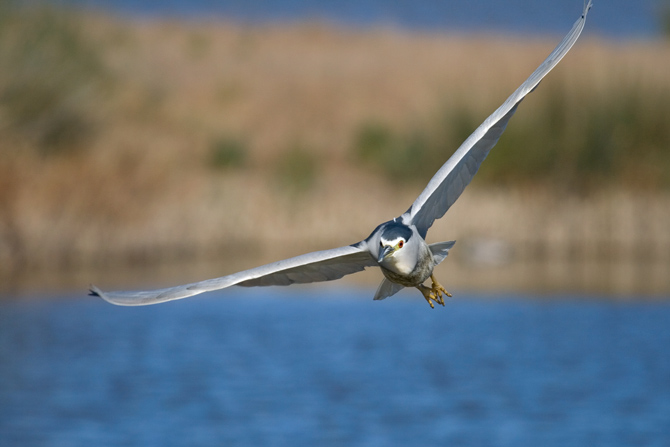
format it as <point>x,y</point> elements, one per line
<point>396,244</point>
<point>396,258</point>
<point>389,249</point>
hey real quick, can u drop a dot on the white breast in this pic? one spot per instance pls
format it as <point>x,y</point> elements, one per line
<point>404,260</point>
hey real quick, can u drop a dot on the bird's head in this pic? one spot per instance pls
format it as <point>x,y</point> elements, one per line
<point>392,240</point>
<point>389,248</point>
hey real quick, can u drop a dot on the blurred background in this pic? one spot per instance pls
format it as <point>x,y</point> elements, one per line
<point>142,142</point>
<point>147,144</point>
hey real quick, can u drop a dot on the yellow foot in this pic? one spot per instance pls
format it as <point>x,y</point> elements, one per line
<point>438,290</point>
<point>428,294</point>
<point>434,293</point>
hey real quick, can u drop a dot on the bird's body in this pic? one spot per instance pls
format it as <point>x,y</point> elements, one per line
<point>410,272</point>
<point>410,266</point>
<point>398,247</point>
<point>405,259</point>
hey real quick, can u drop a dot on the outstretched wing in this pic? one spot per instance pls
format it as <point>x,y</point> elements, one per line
<point>449,182</point>
<point>318,266</point>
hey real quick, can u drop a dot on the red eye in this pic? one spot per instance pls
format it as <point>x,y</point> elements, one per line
<point>400,244</point>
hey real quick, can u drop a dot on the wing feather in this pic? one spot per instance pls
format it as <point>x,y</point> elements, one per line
<point>451,179</point>
<point>317,266</point>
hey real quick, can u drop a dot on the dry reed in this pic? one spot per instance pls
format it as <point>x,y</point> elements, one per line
<point>145,188</point>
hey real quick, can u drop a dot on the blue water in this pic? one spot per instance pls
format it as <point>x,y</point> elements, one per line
<point>619,18</point>
<point>293,369</point>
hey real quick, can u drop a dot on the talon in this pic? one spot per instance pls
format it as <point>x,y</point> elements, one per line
<point>428,294</point>
<point>437,290</point>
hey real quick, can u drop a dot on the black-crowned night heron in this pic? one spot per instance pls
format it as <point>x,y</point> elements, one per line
<point>398,247</point>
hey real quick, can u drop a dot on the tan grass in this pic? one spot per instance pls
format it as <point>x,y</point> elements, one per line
<point>143,188</point>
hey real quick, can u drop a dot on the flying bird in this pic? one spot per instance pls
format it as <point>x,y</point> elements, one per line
<point>398,247</point>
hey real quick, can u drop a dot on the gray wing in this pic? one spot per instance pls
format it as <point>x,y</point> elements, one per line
<point>318,266</point>
<point>449,182</point>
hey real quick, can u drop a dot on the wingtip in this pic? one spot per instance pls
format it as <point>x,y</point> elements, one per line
<point>587,8</point>
<point>94,291</point>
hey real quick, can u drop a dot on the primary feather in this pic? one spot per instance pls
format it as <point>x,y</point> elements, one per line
<point>451,179</point>
<point>317,266</point>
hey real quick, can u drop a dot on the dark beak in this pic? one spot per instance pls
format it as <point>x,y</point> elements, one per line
<point>384,253</point>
